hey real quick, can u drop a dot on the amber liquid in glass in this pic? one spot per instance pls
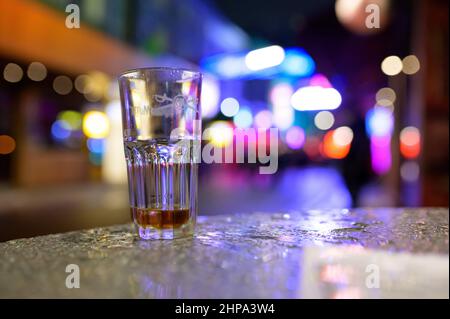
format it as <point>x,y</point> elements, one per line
<point>160,218</point>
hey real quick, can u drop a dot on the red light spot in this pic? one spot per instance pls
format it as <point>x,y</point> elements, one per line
<point>410,142</point>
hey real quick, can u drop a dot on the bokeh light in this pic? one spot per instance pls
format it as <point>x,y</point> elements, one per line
<point>12,73</point>
<point>333,150</point>
<point>95,145</point>
<point>411,64</point>
<point>36,71</point>
<point>95,158</point>
<point>298,63</point>
<point>283,116</point>
<point>379,122</point>
<point>62,85</point>
<point>114,111</point>
<point>320,80</point>
<point>324,120</point>
<point>353,14</point>
<point>310,98</point>
<point>280,94</point>
<point>264,58</point>
<point>72,118</point>
<point>229,66</point>
<point>96,86</point>
<point>263,119</point>
<point>343,136</point>
<point>113,91</point>
<point>380,152</point>
<point>392,65</point>
<point>210,96</point>
<point>410,142</point>
<point>295,137</point>
<point>229,107</point>
<point>385,96</point>
<point>389,108</point>
<point>81,83</point>
<point>220,133</point>
<point>243,118</point>
<point>7,144</point>
<point>60,130</point>
<point>95,124</point>
<point>92,97</point>
<point>410,171</point>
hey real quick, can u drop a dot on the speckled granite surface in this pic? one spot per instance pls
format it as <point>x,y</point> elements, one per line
<point>231,256</point>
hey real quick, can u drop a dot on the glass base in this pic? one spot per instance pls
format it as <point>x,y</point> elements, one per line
<point>150,233</point>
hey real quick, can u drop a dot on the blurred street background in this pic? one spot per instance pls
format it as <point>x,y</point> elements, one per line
<point>362,111</point>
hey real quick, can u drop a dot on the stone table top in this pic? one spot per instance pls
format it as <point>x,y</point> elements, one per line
<point>331,254</point>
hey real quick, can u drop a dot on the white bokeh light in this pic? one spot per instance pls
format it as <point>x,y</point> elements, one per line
<point>324,120</point>
<point>310,98</point>
<point>264,58</point>
<point>12,73</point>
<point>343,136</point>
<point>36,71</point>
<point>411,64</point>
<point>243,118</point>
<point>392,65</point>
<point>229,107</point>
<point>210,96</point>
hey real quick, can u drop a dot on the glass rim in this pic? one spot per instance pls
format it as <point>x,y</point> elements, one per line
<point>126,74</point>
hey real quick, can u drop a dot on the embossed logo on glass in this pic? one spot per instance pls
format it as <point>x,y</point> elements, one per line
<point>166,105</point>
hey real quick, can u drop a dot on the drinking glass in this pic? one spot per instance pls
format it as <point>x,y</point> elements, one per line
<point>162,133</point>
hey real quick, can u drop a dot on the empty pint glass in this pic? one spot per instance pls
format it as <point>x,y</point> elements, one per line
<point>162,134</point>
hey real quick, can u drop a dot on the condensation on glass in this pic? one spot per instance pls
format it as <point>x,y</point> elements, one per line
<point>162,134</point>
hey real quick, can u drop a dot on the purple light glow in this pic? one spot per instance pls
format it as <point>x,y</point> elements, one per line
<point>380,149</point>
<point>280,94</point>
<point>263,119</point>
<point>295,137</point>
<point>320,80</point>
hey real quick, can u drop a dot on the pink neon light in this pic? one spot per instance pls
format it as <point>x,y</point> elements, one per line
<point>380,149</point>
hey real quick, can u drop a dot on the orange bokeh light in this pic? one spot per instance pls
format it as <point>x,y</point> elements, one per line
<point>331,149</point>
<point>7,144</point>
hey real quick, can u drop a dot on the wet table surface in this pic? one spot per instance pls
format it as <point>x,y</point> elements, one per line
<point>257,255</point>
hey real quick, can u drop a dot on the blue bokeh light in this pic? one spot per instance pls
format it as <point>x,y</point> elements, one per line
<point>95,158</point>
<point>60,130</point>
<point>95,145</point>
<point>243,118</point>
<point>379,122</point>
<point>298,63</point>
